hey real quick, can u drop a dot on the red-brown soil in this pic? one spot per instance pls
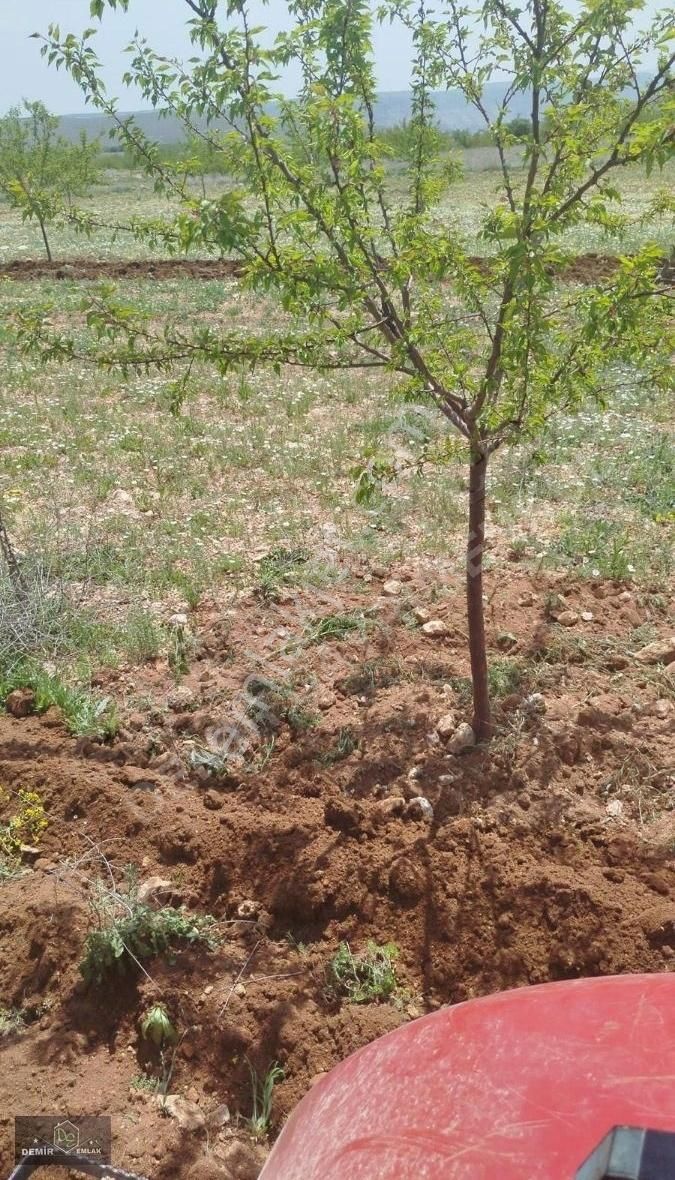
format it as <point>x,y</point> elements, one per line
<point>524,874</point>
<point>586,268</point>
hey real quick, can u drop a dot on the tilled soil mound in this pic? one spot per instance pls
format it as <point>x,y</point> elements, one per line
<point>537,858</point>
<point>586,268</point>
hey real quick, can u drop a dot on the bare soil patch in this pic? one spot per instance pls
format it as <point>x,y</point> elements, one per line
<point>586,268</point>
<point>549,854</point>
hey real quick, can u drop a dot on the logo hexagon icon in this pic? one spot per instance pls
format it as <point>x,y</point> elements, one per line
<point>66,1136</point>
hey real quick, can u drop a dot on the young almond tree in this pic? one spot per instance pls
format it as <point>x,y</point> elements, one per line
<point>40,171</point>
<point>370,279</point>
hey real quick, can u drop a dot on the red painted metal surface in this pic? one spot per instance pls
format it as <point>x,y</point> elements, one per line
<point>516,1086</point>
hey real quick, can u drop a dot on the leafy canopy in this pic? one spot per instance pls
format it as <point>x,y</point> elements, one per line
<point>372,276</point>
<point>40,171</point>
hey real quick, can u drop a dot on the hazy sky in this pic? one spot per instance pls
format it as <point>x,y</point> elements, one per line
<point>24,74</point>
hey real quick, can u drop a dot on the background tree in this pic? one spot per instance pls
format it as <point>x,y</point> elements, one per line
<point>40,171</point>
<point>367,279</point>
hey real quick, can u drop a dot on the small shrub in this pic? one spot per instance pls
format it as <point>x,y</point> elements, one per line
<point>130,931</point>
<point>300,719</point>
<point>24,826</point>
<point>366,977</point>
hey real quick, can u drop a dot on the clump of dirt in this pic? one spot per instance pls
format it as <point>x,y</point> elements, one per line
<point>95,269</point>
<point>339,814</point>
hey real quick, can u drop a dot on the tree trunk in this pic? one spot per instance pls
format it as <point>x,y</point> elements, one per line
<point>481,723</point>
<point>45,239</point>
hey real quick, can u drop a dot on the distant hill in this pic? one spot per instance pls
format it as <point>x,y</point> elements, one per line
<point>452,110</point>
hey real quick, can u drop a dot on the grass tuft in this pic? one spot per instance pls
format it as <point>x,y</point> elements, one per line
<point>364,978</point>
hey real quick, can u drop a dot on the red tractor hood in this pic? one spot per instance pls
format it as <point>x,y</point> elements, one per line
<point>517,1086</point>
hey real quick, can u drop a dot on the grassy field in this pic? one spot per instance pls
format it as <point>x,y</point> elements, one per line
<point>150,510</point>
<point>123,195</point>
<point>262,721</point>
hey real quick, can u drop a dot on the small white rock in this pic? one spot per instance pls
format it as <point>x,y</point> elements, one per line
<point>662,651</point>
<point>187,1114</point>
<point>435,628</point>
<point>587,615</point>
<point>614,808</point>
<point>219,1117</point>
<point>462,739</point>
<point>180,698</point>
<point>535,703</point>
<point>178,620</point>
<point>392,588</point>
<point>421,614</point>
<point>567,618</point>
<point>446,725</point>
<point>422,806</point>
<point>248,910</point>
<point>150,891</point>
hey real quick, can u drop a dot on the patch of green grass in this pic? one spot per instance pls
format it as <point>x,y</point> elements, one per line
<point>272,702</point>
<point>146,1084</point>
<point>85,714</point>
<point>643,785</point>
<point>129,931</point>
<point>504,676</point>
<point>344,745</point>
<point>11,869</point>
<point>370,675</point>
<point>563,646</point>
<point>299,719</point>
<point>462,688</point>
<point>601,548</point>
<point>253,463</point>
<point>11,1021</point>
<point>213,761</point>
<point>141,637</point>
<point>279,568</point>
<point>262,1096</point>
<point>47,619</point>
<point>336,627</point>
<point>643,473</point>
<point>364,978</point>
